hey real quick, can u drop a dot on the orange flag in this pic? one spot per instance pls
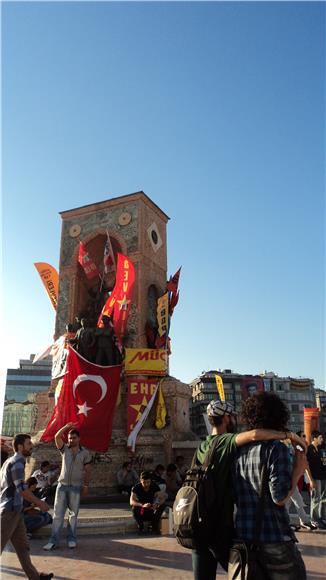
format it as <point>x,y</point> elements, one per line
<point>50,279</point>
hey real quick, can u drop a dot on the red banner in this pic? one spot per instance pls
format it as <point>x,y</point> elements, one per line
<point>87,263</point>
<point>173,283</point>
<point>120,299</point>
<point>87,397</point>
<point>139,394</point>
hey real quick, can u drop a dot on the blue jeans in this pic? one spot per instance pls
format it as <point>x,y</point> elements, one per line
<point>67,496</point>
<point>318,501</point>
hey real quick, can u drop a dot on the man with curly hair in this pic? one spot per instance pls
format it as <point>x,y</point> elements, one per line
<point>216,536</point>
<point>277,554</point>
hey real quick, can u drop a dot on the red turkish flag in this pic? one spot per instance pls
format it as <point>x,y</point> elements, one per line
<point>87,397</point>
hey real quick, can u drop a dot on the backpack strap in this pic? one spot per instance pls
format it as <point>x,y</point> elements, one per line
<point>209,456</point>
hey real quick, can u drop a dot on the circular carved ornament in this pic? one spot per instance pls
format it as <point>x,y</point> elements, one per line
<point>74,231</point>
<point>124,218</point>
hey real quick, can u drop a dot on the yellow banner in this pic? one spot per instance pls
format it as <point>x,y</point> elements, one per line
<point>50,279</point>
<point>163,314</point>
<point>146,361</point>
<point>160,420</point>
<point>220,387</point>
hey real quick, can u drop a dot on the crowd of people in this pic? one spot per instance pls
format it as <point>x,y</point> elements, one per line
<point>239,459</point>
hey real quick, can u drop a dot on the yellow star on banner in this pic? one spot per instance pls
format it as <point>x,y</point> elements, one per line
<point>123,303</point>
<point>140,408</point>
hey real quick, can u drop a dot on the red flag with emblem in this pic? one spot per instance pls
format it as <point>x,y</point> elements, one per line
<point>87,263</point>
<point>119,302</point>
<point>172,284</point>
<point>87,397</point>
<point>126,280</point>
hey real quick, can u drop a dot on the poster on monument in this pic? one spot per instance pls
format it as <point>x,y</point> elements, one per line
<point>146,361</point>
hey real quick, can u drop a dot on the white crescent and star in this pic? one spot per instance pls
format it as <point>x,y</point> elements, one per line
<point>83,409</point>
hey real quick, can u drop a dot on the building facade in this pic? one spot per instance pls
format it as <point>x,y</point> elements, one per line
<point>22,388</point>
<point>296,393</point>
<point>28,379</point>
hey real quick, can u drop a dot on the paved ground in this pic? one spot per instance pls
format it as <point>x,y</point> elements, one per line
<point>140,558</point>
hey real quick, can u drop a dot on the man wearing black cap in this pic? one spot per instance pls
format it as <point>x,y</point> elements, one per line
<point>147,502</point>
<point>215,543</point>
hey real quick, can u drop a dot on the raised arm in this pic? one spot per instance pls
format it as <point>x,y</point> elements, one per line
<point>58,436</point>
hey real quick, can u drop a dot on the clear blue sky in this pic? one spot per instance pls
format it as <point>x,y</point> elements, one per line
<point>216,111</point>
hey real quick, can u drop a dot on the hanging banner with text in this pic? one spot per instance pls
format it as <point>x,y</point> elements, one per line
<point>119,301</point>
<point>163,314</point>
<point>220,387</point>
<point>146,361</point>
<point>50,279</point>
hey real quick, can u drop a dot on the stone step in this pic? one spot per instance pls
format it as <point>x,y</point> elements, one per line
<point>109,520</point>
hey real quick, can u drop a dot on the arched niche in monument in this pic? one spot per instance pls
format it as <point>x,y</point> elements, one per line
<point>89,296</point>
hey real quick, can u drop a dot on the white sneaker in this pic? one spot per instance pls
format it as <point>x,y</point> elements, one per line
<point>308,526</point>
<point>49,546</point>
<point>72,544</point>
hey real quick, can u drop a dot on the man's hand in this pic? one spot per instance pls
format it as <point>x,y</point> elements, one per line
<point>147,505</point>
<point>312,484</point>
<point>57,438</point>
<point>296,440</point>
<point>300,464</point>
<point>44,507</point>
<point>70,425</point>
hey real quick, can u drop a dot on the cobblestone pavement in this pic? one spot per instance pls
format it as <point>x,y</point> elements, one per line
<point>139,558</point>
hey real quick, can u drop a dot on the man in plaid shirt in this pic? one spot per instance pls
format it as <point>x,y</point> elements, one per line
<point>12,492</point>
<point>278,556</point>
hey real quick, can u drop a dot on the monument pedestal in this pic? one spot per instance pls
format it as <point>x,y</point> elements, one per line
<point>153,445</point>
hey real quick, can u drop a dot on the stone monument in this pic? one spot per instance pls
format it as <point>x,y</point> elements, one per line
<point>137,228</point>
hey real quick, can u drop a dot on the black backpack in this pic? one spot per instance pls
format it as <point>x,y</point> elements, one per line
<point>194,508</point>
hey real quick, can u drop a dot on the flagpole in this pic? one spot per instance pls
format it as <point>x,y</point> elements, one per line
<point>102,280</point>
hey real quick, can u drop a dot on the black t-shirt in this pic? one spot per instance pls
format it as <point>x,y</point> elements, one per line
<point>317,461</point>
<point>145,496</point>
